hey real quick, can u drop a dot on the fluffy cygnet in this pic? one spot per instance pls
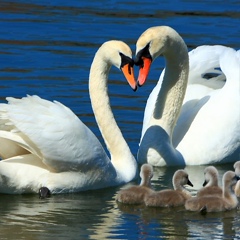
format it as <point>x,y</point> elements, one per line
<point>210,185</point>
<point>214,203</point>
<point>237,171</point>
<point>136,194</point>
<point>170,197</point>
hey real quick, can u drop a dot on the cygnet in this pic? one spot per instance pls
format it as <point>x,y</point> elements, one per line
<point>214,203</point>
<point>237,171</point>
<point>171,197</point>
<point>210,185</point>
<point>136,194</point>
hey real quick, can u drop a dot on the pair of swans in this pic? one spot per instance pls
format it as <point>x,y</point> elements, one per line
<point>44,144</point>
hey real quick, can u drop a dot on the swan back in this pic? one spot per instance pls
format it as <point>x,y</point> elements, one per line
<point>230,65</point>
<point>204,66</point>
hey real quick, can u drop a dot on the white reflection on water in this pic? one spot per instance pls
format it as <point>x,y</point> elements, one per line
<point>96,215</point>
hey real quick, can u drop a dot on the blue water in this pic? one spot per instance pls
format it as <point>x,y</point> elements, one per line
<point>46,48</point>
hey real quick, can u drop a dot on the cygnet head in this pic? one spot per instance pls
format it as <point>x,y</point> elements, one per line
<point>211,176</point>
<point>236,167</point>
<point>230,179</point>
<point>180,178</point>
<point>146,174</point>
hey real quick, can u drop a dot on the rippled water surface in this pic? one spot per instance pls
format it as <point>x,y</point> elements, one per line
<point>46,48</point>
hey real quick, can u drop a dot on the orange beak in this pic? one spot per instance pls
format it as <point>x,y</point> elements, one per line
<point>128,72</point>
<point>144,70</point>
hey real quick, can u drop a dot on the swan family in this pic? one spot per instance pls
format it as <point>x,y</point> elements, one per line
<point>191,118</point>
<point>209,198</point>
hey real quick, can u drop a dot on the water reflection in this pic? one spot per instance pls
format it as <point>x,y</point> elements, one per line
<point>96,215</point>
<point>178,223</point>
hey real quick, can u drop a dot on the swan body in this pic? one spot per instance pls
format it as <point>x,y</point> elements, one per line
<point>213,203</point>
<point>182,123</point>
<point>171,197</point>
<point>136,194</point>
<point>210,185</point>
<point>52,147</point>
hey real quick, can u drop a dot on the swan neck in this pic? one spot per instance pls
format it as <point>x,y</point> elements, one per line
<point>108,127</point>
<point>177,185</point>
<point>171,95</point>
<point>145,183</point>
<point>229,194</point>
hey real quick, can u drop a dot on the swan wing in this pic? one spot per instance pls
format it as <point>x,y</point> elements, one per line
<point>204,76</point>
<point>215,128</point>
<point>204,66</point>
<point>54,132</point>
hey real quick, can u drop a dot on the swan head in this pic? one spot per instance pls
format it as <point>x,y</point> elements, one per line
<point>180,178</point>
<point>119,54</point>
<point>236,167</point>
<point>153,42</point>
<point>230,179</point>
<point>146,174</point>
<point>211,176</point>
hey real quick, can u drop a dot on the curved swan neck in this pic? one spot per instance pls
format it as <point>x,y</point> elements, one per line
<point>170,98</point>
<point>228,190</point>
<point>177,185</point>
<point>98,91</point>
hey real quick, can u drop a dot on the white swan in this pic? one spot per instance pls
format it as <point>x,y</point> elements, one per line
<point>207,130</point>
<point>62,153</point>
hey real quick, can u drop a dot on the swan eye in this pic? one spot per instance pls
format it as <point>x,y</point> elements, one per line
<point>142,53</point>
<point>126,60</point>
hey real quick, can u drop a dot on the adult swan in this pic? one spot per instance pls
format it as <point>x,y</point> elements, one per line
<point>210,125</point>
<point>62,153</point>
